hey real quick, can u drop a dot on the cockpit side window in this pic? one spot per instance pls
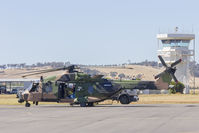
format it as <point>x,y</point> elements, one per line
<point>34,87</point>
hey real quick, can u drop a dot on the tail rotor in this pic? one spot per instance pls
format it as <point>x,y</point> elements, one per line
<point>169,69</point>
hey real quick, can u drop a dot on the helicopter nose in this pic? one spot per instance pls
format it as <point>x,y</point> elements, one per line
<point>20,100</point>
<point>20,96</point>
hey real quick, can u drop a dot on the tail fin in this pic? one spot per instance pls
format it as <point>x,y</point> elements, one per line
<point>163,81</point>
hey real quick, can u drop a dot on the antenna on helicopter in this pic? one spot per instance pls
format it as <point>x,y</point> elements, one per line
<point>41,78</point>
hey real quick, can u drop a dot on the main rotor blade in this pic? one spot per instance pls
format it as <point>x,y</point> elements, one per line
<point>162,61</point>
<point>33,74</point>
<point>33,71</point>
<point>116,67</point>
<point>36,73</point>
<point>70,68</point>
<point>175,63</point>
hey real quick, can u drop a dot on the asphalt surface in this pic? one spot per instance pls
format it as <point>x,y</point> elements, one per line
<point>173,118</point>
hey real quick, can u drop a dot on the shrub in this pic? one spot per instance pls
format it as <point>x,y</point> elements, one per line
<point>177,87</point>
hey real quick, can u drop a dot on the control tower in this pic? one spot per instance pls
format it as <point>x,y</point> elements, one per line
<point>174,46</point>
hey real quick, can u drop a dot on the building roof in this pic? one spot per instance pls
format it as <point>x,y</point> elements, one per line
<point>19,80</point>
<point>175,36</point>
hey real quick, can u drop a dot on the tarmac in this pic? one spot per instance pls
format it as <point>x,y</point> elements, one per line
<point>142,118</point>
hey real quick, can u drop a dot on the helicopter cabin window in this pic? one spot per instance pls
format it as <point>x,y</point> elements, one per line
<point>48,87</point>
<point>70,91</point>
<point>71,85</point>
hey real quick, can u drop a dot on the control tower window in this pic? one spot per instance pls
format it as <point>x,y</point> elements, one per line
<point>175,43</point>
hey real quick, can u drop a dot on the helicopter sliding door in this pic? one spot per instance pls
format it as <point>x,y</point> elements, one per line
<point>61,91</point>
<point>47,92</point>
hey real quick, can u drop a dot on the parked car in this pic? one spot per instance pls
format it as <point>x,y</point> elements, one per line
<point>2,89</point>
<point>14,91</point>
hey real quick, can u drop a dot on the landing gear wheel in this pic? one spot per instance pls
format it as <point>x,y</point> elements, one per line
<point>27,104</point>
<point>124,99</point>
<point>36,103</point>
<point>90,104</point>
<point>83,104</point>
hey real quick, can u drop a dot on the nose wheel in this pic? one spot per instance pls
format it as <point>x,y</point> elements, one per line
<point>27,104</point>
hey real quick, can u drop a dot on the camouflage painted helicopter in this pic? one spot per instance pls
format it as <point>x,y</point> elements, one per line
<point>76,87</point>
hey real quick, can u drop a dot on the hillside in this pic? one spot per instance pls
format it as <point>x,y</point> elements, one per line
<point>147,72</point>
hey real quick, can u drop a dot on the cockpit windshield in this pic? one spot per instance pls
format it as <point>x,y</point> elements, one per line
<point>34,87</point>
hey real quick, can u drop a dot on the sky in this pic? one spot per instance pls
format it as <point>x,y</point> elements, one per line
<point>90,31</point>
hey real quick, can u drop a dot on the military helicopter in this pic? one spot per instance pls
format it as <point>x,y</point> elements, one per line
<point>75,87</point>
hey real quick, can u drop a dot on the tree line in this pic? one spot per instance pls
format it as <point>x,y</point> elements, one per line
<point>39,64</point>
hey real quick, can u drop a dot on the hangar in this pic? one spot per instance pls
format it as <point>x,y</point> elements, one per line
<point>11,85</point>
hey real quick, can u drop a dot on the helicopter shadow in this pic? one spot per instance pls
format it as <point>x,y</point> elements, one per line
<point>107,106</point>
<point>130,106</point>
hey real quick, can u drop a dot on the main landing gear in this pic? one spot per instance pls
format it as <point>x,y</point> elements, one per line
<point>35,102</point>
<point>124,99</point>
<point>27,104</point>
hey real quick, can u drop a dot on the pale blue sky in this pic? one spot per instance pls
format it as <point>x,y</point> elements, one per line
<point>89,31</point>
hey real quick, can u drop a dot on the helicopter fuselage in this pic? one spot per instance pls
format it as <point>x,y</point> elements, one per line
<point>74,92</point>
